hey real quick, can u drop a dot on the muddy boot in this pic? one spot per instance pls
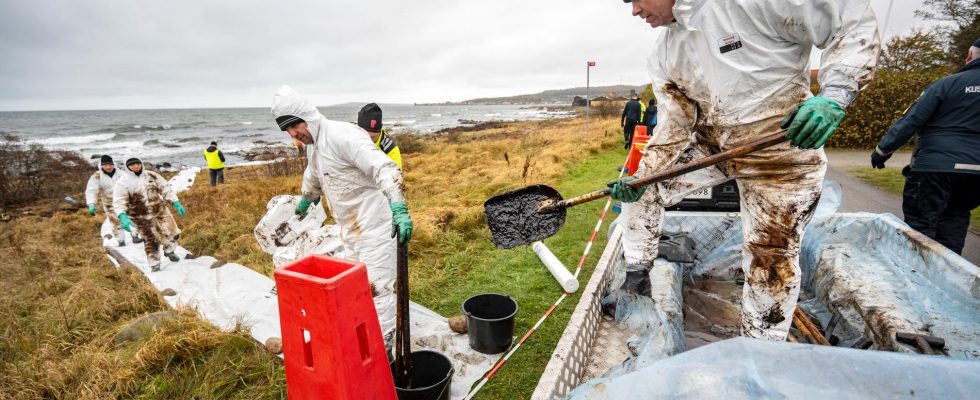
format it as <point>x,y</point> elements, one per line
<point>637,280</point>
<point>172,257</point>
<point>137,238</point>
<point>155,268</point>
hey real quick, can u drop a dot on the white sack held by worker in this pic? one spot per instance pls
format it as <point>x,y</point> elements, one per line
<point>557,269</point>
<point>363,189</point>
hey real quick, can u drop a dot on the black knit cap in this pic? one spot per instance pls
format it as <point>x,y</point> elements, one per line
<point>977,43</point>
<point>287,121</point>
<point>369,118</point>
<point>133,160</point>
<point>106,160</point>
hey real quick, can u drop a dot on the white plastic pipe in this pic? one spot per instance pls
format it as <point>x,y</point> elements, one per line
<point>557,269</point>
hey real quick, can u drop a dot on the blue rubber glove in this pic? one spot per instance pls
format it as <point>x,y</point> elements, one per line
<point>303,207</point>
<point>125,222</point>
<point>180,208</point>
<point>878,160</point>
<point>619,190</point>
<point>401,221</point>
<point>812,123</point>
<point>91,209</point>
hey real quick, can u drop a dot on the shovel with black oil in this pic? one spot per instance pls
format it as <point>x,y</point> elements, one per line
<point>537,212</point>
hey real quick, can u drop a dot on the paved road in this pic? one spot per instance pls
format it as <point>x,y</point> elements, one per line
<point>859,196</point>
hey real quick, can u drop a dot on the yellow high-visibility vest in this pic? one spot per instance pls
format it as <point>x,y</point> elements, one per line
<point>214,162</point>
<point>389,147</point>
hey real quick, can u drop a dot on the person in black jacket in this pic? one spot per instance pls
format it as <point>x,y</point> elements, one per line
<point>942,184</point>
<point>631,116</point>
<point>650,116</point>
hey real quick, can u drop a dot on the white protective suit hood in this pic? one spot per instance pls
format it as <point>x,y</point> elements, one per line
<point>358,181</point>
<point>287,102</point>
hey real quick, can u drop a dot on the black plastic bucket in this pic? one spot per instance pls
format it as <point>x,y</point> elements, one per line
<point>490,322</point>
<point>432,375</point>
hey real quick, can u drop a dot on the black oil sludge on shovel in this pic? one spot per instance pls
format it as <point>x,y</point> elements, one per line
<point>536,212</point>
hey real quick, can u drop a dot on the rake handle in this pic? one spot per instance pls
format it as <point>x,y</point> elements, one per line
<point>758,144</point>
<point>403,336</point>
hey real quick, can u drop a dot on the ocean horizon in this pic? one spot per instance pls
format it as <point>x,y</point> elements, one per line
<point>179,135</point>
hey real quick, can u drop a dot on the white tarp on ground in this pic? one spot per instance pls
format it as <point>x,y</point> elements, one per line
<point>184,179</point>
<point>231,293</point>
<point>288,238</point>
<point>743,368</point>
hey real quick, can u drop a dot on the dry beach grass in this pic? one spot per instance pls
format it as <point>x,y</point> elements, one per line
<point>62,302</point>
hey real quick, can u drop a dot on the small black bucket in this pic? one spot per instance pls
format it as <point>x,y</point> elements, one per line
<point>490,322</point>
<point>432,375</point>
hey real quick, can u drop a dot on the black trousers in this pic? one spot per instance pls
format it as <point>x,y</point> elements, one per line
<point>628,128</point>
<point>938,204</point>
<point>217,176</point>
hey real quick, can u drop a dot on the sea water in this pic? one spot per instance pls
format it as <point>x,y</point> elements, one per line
<point>178,136</point>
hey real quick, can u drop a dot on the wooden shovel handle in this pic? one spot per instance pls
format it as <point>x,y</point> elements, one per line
<point>758,144</point>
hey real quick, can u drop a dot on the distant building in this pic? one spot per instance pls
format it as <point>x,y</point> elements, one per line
<point>578,101</point>
<point>605,101</point>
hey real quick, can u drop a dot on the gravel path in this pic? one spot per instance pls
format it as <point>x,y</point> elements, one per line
<point>859,196</point>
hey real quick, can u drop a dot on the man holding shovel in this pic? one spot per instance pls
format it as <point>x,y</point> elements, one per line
<point>726,73</point>
<point>364,190</point>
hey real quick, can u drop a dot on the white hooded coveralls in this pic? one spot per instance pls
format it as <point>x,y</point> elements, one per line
<point>725,73</point>
<point>144,198</point>
<point>358,181</point>
<point>99,189</point>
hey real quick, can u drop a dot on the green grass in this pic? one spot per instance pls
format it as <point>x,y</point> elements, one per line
<point>518,273</point>
<point>892,181</point>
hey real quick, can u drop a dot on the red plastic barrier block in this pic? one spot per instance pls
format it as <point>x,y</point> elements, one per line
<point>331,338</point>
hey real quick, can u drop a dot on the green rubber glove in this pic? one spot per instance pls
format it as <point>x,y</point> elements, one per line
<point>303,207</point>
<point>401,221</point>
<point>812,123</point>
<point>180,208</point>
<point>125,222</point>
<point>619,190</point>
<point>91,209</point>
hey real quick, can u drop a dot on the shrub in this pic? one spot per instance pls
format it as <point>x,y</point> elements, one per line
<point>408,143</point>
<point>909,64</point>
<point>29,172</point>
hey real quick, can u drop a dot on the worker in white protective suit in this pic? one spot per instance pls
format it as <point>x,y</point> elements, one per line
<point>140,195</point>
<point>726,73</point>
<point>364,191</point>
<point>99,188</point>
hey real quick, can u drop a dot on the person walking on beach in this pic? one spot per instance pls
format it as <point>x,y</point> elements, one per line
<point>726,73</point>
<point>99,189</point>
<point>369,119</point>
<point>141,194</point>
<point>364,190</point>
<point>942,185</point>
<point>632,114</point>
<point>216,163</point>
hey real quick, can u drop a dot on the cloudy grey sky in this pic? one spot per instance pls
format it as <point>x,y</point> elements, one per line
<point>92,54</point>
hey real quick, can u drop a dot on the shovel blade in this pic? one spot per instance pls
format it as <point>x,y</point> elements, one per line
<point>514,219</point>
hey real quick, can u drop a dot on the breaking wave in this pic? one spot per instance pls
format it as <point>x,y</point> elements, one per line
<point>54,141</point>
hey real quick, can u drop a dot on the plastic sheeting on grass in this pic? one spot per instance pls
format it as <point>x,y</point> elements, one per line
<point>879,274</point>
<point>232,294</point>
<point>184,179</point>
<point>743,368</point>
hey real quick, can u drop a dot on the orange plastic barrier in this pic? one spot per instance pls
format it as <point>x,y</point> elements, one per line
<point>331,338</point>
<point>640,139</point>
